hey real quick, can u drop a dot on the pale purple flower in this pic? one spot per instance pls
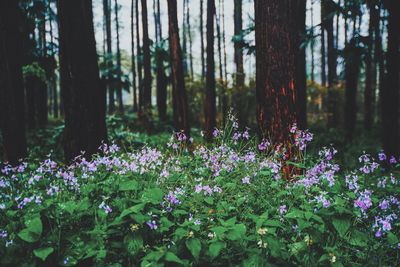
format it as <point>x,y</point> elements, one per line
<point>246,180</point>
<point>152,224</point>
<point>384,204</point>
<point>282,209</point>
<point>382,156</point>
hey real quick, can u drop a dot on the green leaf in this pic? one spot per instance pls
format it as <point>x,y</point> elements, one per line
<point>209,200</point>
<point>215,248</point>
<point>32,231</point>
<point>171,257</point>
<point>236,232</point>
<point>134,209</point>
<point>153,195</point>
<point>28,236</point>
<point>341,225</point>
<point>392,238</point>
<point>43,253</point>
<point>194,246</point>
<point>128,185</point>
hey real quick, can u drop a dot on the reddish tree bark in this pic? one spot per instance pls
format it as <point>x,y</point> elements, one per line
<point>209,103</point>
<point>83,94</point>
<point>180,110</point>
<point>275,68</point>
<point>11,83</point>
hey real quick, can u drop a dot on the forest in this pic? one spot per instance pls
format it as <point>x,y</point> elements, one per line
<point>199,133</point>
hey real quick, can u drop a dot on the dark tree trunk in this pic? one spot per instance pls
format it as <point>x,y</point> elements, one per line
<point>139,57</point>
<point>162,79</point>
<point>181,120</point>
<point>134,88</point>
<point>11,83</point>
<point>225,82</point>
<point>220,63</point>
<point>84,95</point>
<point>41,93</point>
<point>328,25</point>
<point>352,73</point>
<point>184,41</point>
<point>370,69</point>
<point>146,61</point>
<point>111,93</point>
<point>390,92</point>
<point>238,25</point>
<point>300,74</point>
<point>312,44</point>
<point>119,70</point>
<point>53,79</point>
<point>323,44</point>
<point>275,68</point>
<point>209,102</point>
<point>203,68</point>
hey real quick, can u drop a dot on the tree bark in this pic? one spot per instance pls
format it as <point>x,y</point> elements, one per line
<point>181,120</point>
<point>139,57</point>
<point>390,93</point>
<point>146,61</point>
<point>119,70</point>
<point>84,95</point>
<point>300,74</point>
<point>111,93</point>
<point>238,27</point>
<point>11,83</point>
<point>203,68</point>
<point>162,79</point>
<point>275,69</point>
<point>133,61</point>
<point>209,103</point>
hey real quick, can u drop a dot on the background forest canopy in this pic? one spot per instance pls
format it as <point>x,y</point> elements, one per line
<point>82,72</point>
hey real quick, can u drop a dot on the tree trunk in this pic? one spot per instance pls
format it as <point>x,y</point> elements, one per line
<point>300,74</point>
<point>390,93</point>
<point>209,102</point>
<point>111,93</point>
<point>189,32</point>
<point>41,93</point>
<point>352,73</point>
<point>11,84</point>
<point>119,70</point>
<point>139,59</point>
<point>133,61</point>
<point>181,120</point>
<point>323,54</point>
<point>312,43</point>
<point>146,61</point>
<point>203,68</point>
<point>162,79</point>
<point>275,69</point>
<point>84,95</point>
<point>238,27</point>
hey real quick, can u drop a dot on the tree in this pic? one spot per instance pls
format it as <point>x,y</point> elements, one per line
<point>84,95</point>
<point>300,74</point>
<point>390,90</point>
<point>11,85</point>
<point>209,102</point>
<point>119,70</point>
<point>134,88</point>
<point>139,58</point>
<point>203,68</point>
<point>238,27</point>
<point>181,120</point>
<point>146,60</point>
<point>275,68</point>
<point>107,16</point>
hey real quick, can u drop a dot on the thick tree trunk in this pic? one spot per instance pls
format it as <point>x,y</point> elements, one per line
<point>119,70</point>
<point>352,73</point>
<point>11,83</point>
<point>275,69</point>
<point>300,74</point>
<point>162,79</point>
<point>133,61</point>
<point>84,95</point>
<point>390,92</point>
<point>111,93</point>
<point>146,61</point>
<point>209,102</point>
<point>181,120</point>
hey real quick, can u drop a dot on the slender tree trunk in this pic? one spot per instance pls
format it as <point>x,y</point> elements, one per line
<point>323,54</point>
<point>119,70</point>
<point>162,79</point>
<point>181,120</point>
<point>300,74</point>
<point>312,43</point>
<point>111,93</point>
<point>209,104</point>
<point>203,68</point>
<point>146,61</point>
<point>275,71</point>
<point>352,73</point>
<point>184,41</point>
<point>139,57</point>
<point>84,95</point>
<point>134,88</point>
<point>54,77</point>
<point>225,87</point>
<point>11,84</point>
<point>238,27</point>
<point>220,68</point>
<point>189,32</point>
<point>390,93</point>
<point>41,93</point>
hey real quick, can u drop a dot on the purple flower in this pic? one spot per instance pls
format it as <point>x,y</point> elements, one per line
<point>384,204</point>
<point>364,201</point>
<point>107,209</point>
<point>378,233</point>
<point>392,160</point>
<point>197,222</point>
<point>282,209</point>
<point>246,180</point>
<point>215,132</point>
<point>382,156</point>
<point>152,225</point>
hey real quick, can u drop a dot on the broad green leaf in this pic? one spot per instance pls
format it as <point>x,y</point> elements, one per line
<point>128,185</point>
<point>341,225</point>
<point>215,248</point>
<point>194,246</point>
<point>236,232</point>
<point>153,195</point>
<point>134,209</point>
<point>28,236</point>
<point>43,253</point>
<point>171,257</point>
